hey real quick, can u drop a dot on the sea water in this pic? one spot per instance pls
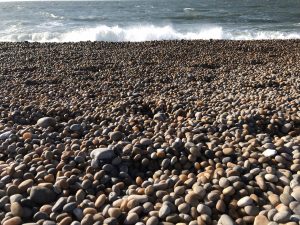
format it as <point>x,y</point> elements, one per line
<point>145,20</point>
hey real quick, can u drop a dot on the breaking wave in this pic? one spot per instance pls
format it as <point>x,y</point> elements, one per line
<point>144,33</point>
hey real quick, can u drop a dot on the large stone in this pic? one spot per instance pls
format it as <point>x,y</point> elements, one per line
<point>116,135</point>
<point>42,195</point>
<point>46,122</point>
<point>153,220</point>
<point>13,221</point>
<point>146,141</point>
<point>25,185</point>
<point>16,209</point>
<point>5,135</point>
<point>59,204</point>
<point>261,220</point>
<point>203,209</point>
<point>132,218</point>
<point>102,154</point>
<point>164,211</point>
<point>225,220</point>
<point>296,193</point>
<point>269,152</point>
<point>282,217</point>
<point>245,201</point>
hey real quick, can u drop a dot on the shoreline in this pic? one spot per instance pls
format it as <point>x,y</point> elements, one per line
<point>159,132</point>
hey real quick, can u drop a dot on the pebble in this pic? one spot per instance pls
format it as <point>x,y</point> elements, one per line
<point>269,153</point>
<point>245,201</point>
<point>42,195</point>
<point>131,218</point>
<point>176,139</point>
<point>46,122</point>
<point>225,220</point>
<point>261,220</point>
<point>13,221</point>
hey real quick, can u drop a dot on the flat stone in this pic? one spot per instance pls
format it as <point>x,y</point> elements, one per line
<point>132,218</point>
<point>153,220</point>
<point>164,211</point>
<point>282,217</point>
<point>225,220</point>
<point>203,209</point>
<point>46,122</point>
<point>13,221</point>
<point>5,135</point>
<point>69,207</point>
<point>16,209</point>
<point>271,178</point>
<point>139,198</point>
<point>251,210</point>
<point>59,204</point>
<point>245,201</point>
<point>78,213</point>
<point>116,135</point>
<point>42,195</point>
<point>146,141</point>
<point>25,185</point>
<point>114,212</point>
<point>269,152</point>
<point>15,198</point>
<point>102,154</point>
<point>261,220</point>
<point>75,127</point>
<point>228,151</point>
<point>296,193</point>
<point>100,201</point>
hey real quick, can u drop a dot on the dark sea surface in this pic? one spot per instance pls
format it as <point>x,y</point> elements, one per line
<point>143,20</point>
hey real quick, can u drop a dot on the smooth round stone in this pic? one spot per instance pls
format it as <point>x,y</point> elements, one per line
<point>286,198</point>
<point>228,151</point>
<point>224,182</point>
<point>25,185</point>
<point>42,195</point>
<point>75,127</point>
<point>226,220</point>
<point>296,193</point>
<point>87,220</point>
<point>251,210</point>
<point>184,208</point>
<point>13,221</point>
<point>146,141</point>
<point>271,178</point>
<point>203,209</point>
<point>229,190</point>
<point>153,220</point>
<point>132,218</point>
<point>192,198</point>
<point>58,206</point>
<point>15,198</point>
<point>114,212</point>
<point>282,217</point>
<point>261,220</point>
<point>164,211</point>
<point>245,201</point>
<point>69,207</point>
<point>66,221</point>
<point>179,190</point>
<point>100,201</point>
<point>116,135</point>
<point>40,216</point>
<point>16,209</point>
<point>46,122</point>
<point>269,152</point>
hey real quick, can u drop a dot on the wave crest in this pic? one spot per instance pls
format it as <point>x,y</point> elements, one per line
<point>146,33</point>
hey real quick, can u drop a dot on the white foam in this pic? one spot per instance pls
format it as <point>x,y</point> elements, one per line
<point>143,33</point>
